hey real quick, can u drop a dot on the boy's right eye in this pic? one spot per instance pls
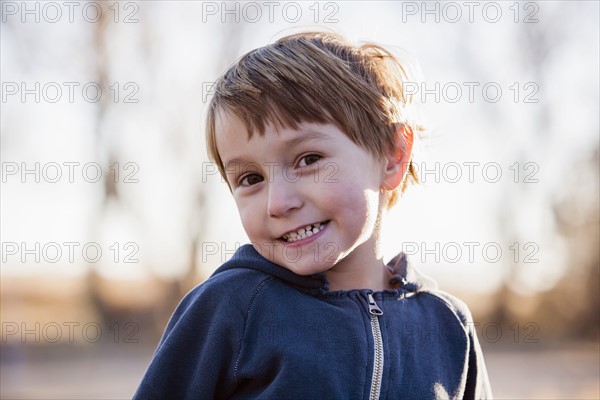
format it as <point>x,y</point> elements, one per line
<point>250,179</point>
<point>309,159</point>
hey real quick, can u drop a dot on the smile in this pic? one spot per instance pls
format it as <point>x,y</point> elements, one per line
<point>304,232</point>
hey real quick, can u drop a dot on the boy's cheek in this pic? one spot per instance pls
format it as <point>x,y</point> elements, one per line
<point>251,212</point>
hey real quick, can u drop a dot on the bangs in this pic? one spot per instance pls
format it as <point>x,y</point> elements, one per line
<point>282,108</point>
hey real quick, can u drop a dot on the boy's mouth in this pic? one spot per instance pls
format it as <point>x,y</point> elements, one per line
<point>304,232</point>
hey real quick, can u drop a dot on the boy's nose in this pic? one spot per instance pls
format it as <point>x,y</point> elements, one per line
<point>283,198</point>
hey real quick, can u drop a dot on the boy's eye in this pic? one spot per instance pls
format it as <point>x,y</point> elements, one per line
<point>250,179</point>
<point>309,159</point>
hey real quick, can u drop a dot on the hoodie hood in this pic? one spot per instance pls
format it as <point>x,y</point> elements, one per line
<point>403,275</point>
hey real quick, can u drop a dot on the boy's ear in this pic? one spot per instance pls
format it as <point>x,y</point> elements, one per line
<point>398,160</point>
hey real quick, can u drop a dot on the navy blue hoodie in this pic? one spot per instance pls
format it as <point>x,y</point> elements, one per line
<point>255,330</point>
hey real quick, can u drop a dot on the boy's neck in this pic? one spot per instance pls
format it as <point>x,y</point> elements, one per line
<point>374,277</point>
<point>363,268</point>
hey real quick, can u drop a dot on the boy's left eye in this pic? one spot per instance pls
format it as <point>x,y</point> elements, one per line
<point>309,159</point>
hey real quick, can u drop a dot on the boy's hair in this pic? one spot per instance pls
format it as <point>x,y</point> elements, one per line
<point>318,77</point>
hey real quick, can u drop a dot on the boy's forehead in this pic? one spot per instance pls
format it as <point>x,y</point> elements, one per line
<point>231,130</point>
<point>227,122</point>
<point>229,125</point>
<point>232,136</point>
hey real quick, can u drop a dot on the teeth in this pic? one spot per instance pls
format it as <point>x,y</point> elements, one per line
<point>304,232</point>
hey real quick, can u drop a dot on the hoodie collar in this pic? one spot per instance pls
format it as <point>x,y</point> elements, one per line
<point>403,275</point>
<point>407,276</point>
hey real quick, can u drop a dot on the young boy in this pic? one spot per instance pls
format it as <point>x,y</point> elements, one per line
<point>312,136</point>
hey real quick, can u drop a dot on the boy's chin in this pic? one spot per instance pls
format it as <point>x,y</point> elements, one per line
<point>301,260</point>
<point>306,265</point>
<point>306,268</point>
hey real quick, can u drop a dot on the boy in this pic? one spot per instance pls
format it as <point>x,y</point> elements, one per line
<point>311,134</point>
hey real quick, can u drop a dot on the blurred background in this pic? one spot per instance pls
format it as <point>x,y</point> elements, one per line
<point>111,211</point>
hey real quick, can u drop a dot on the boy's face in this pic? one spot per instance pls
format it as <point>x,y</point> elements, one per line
<point>286,181</point>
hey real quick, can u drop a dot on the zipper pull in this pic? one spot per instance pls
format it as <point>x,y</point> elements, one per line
<point>373,307</point>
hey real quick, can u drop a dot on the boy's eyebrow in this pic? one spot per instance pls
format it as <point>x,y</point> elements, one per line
<point>304,137</point>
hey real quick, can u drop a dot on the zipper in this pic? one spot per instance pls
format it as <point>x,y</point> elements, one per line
<point>375,312</point>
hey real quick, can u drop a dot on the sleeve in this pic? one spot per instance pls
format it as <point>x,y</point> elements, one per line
<point>478,384</point>
<point>195,358</point>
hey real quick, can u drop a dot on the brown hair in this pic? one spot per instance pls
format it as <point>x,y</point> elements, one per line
<point>318,77</point>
